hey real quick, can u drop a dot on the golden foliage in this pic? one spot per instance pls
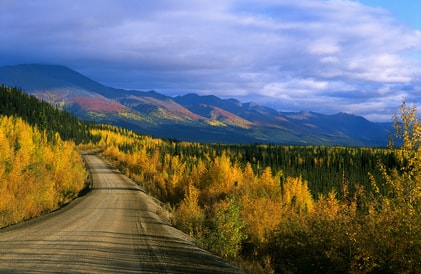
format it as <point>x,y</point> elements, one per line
<point>274,220</point>
<point>296,195</point>
<point>36,176</point>
<point>262,216</point>
<point>189,216</point>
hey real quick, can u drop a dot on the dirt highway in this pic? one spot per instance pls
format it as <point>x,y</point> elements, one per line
<point>113,229</point>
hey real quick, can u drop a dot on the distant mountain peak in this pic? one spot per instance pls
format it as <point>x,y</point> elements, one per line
<point>36,77</point>
<point>189,117</point>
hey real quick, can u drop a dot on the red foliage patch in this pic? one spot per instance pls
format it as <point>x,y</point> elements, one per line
<point>99,104</point>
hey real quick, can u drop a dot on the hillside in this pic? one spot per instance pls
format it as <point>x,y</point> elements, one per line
<point>190,117</point>
<point>14,102</point>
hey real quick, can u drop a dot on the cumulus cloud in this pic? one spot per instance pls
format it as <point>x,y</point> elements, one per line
<point>292,55</point>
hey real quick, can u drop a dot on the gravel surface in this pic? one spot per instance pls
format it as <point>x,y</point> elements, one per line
<point>113,229</point>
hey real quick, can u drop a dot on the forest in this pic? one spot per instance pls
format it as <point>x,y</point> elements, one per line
<point>39,171</point>
<point>266,208</point>
<point>287,209</point>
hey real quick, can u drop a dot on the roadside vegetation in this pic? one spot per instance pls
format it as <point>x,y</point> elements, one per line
<point>37,175</point>
<point>270,209</point>
<point>39,171</point>
<point>358,211</point>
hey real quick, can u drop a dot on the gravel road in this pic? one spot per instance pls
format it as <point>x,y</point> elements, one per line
<point>113,229</point>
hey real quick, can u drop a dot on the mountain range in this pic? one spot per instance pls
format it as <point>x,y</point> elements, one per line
<point>190,117</point>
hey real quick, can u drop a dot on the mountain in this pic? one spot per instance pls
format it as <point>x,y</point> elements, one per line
<point>190,117</point>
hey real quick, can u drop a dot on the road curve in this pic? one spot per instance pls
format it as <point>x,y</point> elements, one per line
<point>113,229</point>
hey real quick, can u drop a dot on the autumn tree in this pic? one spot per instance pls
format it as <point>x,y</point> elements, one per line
<point>189,217</point>
<point>37,174</point>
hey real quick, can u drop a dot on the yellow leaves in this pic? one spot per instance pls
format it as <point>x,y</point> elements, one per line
<point>267,180</point>
<point>408,127</point>
<point>177,171</point>
<point>5,155</point>
<point>222,177</point>
<point>262,216</point>
<point>327,207</point>
<point>296,195</point>
<point>189,216</point>
<point>68,173</point>
<point>267,204</point>
<point>35,175</point>
<point>249,178</point>
<point>191,201</point>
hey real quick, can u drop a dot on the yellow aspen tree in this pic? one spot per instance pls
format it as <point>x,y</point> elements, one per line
<point>26,144</point>
<point>219,173</point>
<point>189,217</point>
<point>327,207</point>
<point>237,175</point>
<point>249,182</point>
<point>176,175</point>
<point>198,173</point>
<point>261,216</point>
<point>5,154</point>
<point>407,187</point>
<point>219,177</point>
<point>296,195</point>
<point>408,127</point>
<point>73,177</point>
<point>269,185</point>
<point>249,178</point>
<point>6,159</point>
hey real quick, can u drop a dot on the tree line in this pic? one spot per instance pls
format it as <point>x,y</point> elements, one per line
<point>35,112</point>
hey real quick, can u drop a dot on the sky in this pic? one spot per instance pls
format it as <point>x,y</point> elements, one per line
<point>359,57</point>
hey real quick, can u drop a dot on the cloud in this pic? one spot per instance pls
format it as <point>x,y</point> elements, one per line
<point>292,55</point>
